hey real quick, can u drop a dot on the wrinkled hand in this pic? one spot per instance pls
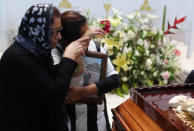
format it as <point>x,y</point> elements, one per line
<point>76,48</point>
<point>75,94</point>
<point>94,31</point>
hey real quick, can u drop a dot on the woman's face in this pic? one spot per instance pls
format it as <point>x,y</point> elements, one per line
<point>56,29</point>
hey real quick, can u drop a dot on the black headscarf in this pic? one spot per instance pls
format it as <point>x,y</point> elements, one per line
<point>35,29</point>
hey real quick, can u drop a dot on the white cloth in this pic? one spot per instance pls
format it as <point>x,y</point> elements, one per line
<point>56,54</point>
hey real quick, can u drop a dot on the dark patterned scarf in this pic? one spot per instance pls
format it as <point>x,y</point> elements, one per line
<point>35,29</point>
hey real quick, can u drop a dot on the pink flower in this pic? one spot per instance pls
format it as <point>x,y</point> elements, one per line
<point>165,61</point>
<point>159,43</point>
<point>165,75</point>
<point>177,52</point>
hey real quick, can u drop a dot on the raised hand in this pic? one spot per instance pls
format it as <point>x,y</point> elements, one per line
<point>76,48</point>
<point>94,31</point>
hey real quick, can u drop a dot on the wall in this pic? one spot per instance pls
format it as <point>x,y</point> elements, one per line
<point>12,11</point>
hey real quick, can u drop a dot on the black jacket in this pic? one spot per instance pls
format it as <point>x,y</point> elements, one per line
<point>32,91</point>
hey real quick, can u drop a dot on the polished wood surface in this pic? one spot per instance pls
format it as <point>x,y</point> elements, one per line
<point>128,116</point>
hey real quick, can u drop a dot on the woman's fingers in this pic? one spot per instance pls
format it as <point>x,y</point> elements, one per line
<point>68,98</point>
<point>77,48</point>
<point>74,95</point>
<point>84,39</point>
<point>92,32</point>
<point>101,31</point>
<point>81,49</point>
<point>98,31</point>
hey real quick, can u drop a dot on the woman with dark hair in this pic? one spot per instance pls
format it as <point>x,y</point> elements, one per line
<point>85,117</point>
<point>32,90</point>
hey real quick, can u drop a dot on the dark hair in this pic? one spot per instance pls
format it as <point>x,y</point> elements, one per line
<point>72,21</point>
<point>56,14</point>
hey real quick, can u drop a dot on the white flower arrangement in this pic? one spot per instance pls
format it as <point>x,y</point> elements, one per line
<point>140,52</point>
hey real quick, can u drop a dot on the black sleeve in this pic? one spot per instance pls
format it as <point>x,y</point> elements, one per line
<point>190,77</point>
<point>47,86</point>
<point>107,84</point>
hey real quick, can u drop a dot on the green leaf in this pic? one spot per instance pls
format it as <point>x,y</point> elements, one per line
<point>160,83</point>
<point>118,91</point>
<point>149,83</point>
<point>125,88</point>
<point>134,84</point>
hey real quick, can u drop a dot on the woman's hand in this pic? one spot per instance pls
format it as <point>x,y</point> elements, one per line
<point>76,48</point>
<point>92,32</point>
<point>77,93</point>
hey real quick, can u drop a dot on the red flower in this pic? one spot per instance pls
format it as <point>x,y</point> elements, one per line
<point>168,32</point>
<point>177,52</point>
<point>105,24</point>
<point>176,21</point>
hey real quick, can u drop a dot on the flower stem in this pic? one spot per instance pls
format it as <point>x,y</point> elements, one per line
<point>164,19</point>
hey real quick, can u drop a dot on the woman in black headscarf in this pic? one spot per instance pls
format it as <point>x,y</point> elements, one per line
<point>32,90</point>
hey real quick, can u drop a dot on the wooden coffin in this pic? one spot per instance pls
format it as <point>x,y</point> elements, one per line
<point>129,117</point>
<point>148,109</point>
